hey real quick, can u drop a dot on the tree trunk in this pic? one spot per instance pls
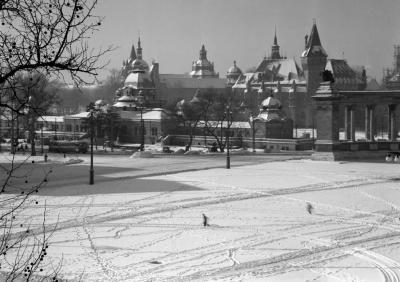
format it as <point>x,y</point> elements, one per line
<point>32,136</point>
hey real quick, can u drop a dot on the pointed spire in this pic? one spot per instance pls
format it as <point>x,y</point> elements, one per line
<point>313,43</point>
<point>275,49</point>
<point>132,56</point>
<point>139,50</point>
<point>314,37</point>
<point>203,53</point>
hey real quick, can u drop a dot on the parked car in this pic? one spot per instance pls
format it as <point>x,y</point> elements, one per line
<point>64,146</point>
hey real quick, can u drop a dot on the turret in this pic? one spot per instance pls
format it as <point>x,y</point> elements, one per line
<point>203,53</point>
<point>275,49</point>
<point>139,50</point>
<point>313,60</point>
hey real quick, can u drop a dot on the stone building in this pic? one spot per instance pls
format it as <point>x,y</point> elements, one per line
<point>270,122</point>
<point>391,77</point>
<point>294,85</point>
<point>203,68</point>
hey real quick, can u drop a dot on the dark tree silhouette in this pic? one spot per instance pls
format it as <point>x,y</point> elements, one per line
<point>50,38</point>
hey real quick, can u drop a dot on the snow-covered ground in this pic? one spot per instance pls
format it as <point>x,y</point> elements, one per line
<point>259,228</point>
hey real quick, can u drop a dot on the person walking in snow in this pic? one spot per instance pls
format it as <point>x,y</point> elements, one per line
<point>309,208</point>
<point>205,220</point>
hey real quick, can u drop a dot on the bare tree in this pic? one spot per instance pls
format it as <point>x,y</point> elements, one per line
<point>49,36</point>
<point>23,246</point>
<point>215,108</point>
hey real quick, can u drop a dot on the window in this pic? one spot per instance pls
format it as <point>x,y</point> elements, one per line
<point>154,131</point>
<point>68,127</point>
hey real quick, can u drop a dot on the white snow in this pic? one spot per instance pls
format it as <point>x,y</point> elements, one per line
<point>260,229</point>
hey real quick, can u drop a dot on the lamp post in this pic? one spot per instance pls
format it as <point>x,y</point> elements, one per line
<point>253,132</point>
<point>31,125</point>
<point>91,170</point>
<point>140,102</point>
<point>41,138</point>
<point>228,157</point>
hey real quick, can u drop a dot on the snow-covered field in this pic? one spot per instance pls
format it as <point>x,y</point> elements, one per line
<point>259,228</point>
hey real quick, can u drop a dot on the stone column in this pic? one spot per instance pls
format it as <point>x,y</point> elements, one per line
<point>367,123</point>
<point>352,124</point>
<point>327,101</point>
<point>392,130</point>
<point>347,135</point>
<point>372,129</point>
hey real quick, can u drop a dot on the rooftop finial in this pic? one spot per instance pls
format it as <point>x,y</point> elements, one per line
<point>314,21</point>
<point>275,39</point>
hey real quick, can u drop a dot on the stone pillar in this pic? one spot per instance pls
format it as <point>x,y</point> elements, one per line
<point>327,117</point>
<point>352,124</point>
<point>392,131</point>
<point>347,135</point>
<point>367,123</point>
<point>372,128</point>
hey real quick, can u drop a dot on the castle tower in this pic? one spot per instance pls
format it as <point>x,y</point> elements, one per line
<point>203,68</point>
<point>396,60</point>
<point>313,60</point>
<point>275,49</point>
<point>139,50</point>
<point>132,56</point>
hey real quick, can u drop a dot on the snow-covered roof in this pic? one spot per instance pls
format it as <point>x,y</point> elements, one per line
<point>185,81</point>
<point>148,114</point>
<point>78,116</point>
<point>279,69</point>
<point>59,119</point>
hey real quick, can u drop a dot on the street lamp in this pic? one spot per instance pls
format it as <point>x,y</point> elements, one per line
<point>41,138</point>
<point>91,170</point>
<point>31,125</point>
<point>140,100</point>
<point>228,157</point>
<point>253,132</point>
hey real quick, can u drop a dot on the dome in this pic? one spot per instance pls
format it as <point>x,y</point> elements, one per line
<point>234,71</point>
<point>271,103</point>
<point>100,103</point>
<point>126,98</point>
<point>139,65</point>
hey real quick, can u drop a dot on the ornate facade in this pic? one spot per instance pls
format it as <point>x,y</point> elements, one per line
<point>203,68</point>
<point>295,85</point>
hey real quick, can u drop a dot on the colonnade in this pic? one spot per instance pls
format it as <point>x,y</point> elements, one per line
<point>370,127</point>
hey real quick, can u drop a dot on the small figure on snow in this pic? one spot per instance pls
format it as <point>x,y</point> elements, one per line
<point>205,220</point>
<point>309,208</point>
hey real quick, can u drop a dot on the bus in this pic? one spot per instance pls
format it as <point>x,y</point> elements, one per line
<point>65,146</point>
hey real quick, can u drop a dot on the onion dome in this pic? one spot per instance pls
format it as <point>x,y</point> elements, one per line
<point>203,67</point>
<point>100,104</point>
<point>271,103</point>
<point>140,65</point>
<point>234,71</point>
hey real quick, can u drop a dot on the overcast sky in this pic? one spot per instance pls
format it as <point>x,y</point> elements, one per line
<point>172,31</point>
